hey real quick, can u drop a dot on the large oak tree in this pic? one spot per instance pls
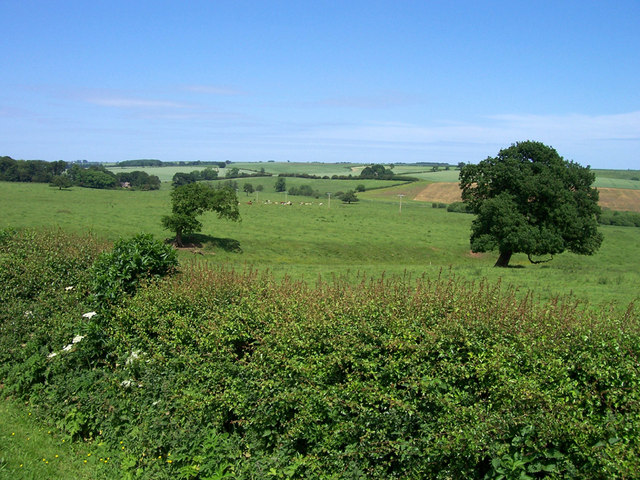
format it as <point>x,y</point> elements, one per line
<point>529,199</point>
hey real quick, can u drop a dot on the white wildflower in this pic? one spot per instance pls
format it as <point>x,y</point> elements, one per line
<point>126,383</point>
<point>69,288</point>
<point>52,354</point>
<point>89,315</point>
<point>67,348</point>
<point>77,338</point>
<point>28,313</point>
<point>133,357</point>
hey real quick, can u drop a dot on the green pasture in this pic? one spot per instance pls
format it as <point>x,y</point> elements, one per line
<point>323,186</point>
<point>30,450</point>
<point>604,178</point>
<point>621,174</point>
<point>313,168</point>
<point>371,237</point>
<point>610,182</point>
<point>165,174</point>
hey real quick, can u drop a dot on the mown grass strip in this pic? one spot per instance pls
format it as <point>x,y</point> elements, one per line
<point>29,450</point>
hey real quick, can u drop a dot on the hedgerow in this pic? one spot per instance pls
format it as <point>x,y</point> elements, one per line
<point>217,372</point>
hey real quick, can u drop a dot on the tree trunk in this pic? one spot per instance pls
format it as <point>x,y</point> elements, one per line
<point>503,260</point>
<point>179,238</point>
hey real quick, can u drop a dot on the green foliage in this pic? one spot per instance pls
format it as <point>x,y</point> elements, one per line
<point>193,199</point>
<point>220,373</point>
<point>180,178</point>
<point>280,185</point>
<point>93,177</point>
<point>349,197</point>
<point>304,191</point>
<point>30,170</point>
<point>139,180</point>
<point>376,171</point>
<point>142,162</point>
<point>120,271</point>
<point>61,181</point>
<point>529,199</point>
<point>620,219</point>
<point>459,207</point>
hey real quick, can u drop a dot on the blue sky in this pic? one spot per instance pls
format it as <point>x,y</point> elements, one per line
<point>334,81</point>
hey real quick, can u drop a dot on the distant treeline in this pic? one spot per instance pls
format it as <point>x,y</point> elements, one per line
<point>60,174</point>
<point>29,170</point>
<point>100,177</point>
<point>150,162</point>
<point>182,178</point>
<point>373,172</point>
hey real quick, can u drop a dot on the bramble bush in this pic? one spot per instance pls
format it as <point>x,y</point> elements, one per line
<point>119,271</point>
<point>213,373</point>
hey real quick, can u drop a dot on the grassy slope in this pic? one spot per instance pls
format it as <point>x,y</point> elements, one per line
<point>370,237</point>
<point>30,451</point>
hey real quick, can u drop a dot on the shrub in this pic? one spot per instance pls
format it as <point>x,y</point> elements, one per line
<point>235,374</point>
<point>119,271</point>
<point>620,219</point>
<point>459,207</point>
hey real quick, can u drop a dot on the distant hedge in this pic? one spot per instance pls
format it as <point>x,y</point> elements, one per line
<point>459,207</point>
<point>215,372</point>
<point>620,219</point>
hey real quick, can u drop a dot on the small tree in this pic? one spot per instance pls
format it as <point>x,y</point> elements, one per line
<point>192,200</point>
<point>259,187</point>
<point>280,185</point>
<point>248,188</point>
<point>61,181</point>
<point>209,174</point>
<point>360,188</point>
<point>349,197</point>
<point>529,199</point>
<point>181,178</point>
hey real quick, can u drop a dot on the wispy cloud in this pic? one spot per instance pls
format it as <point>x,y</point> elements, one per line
<point>494,129</point>
<point>128,102</point>
<point>574,126</point>
<point>383,100</point>
<point>213,90</point>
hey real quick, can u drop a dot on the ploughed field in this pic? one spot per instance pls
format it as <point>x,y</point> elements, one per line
<point>612,198</point>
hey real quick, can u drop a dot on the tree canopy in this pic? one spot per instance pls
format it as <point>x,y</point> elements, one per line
<point>192,200</point>
<point>528,199</point>
<point>376,171</point>
<point>280,185</point>
<point>349,197</point>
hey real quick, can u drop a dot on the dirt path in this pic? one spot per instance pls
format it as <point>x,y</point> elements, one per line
<point>613,198</point>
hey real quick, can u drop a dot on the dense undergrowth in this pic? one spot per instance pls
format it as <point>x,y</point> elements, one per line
<point>212,373</point>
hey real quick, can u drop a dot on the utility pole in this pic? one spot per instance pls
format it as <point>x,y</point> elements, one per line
<point>401,195</point>
<point>329,193</point>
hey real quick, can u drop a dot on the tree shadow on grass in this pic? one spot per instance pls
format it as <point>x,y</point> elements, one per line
<point>209,242</point>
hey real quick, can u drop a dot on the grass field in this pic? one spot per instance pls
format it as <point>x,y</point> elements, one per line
<point>371,237</point>
<point>28,450</point>
<point>376,237</point>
